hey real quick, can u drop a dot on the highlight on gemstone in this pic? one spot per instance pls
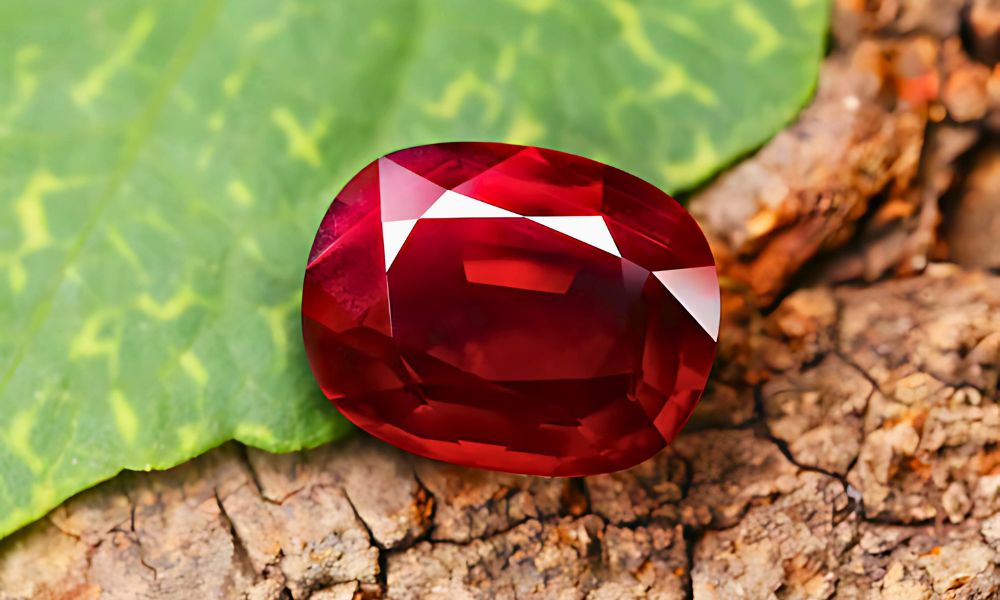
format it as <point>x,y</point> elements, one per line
<point>511,308</point>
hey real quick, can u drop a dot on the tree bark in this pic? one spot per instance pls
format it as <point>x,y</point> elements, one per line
<point>866,466</point>
<point>848,445</point>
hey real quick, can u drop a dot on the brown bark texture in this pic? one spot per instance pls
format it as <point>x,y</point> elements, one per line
<point>848,445</point>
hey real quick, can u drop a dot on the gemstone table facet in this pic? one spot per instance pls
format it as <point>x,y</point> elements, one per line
<point>511,308</point>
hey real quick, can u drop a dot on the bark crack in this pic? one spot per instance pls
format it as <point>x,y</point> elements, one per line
<point>241,554</point>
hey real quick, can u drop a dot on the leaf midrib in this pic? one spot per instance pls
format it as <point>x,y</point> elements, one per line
<point>141,130</point>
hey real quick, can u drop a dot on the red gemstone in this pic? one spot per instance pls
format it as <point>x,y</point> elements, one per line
<point>511,308</point>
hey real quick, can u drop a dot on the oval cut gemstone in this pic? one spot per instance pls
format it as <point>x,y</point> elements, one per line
<point>511,308</point>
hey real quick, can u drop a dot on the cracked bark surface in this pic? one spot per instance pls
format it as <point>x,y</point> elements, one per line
<point>848,445</point>
<point>868,468</point>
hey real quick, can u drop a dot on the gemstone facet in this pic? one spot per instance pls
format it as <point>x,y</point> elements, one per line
<point>511,308</point>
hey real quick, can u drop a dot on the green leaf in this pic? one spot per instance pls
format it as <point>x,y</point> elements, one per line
<point>164,165</point>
